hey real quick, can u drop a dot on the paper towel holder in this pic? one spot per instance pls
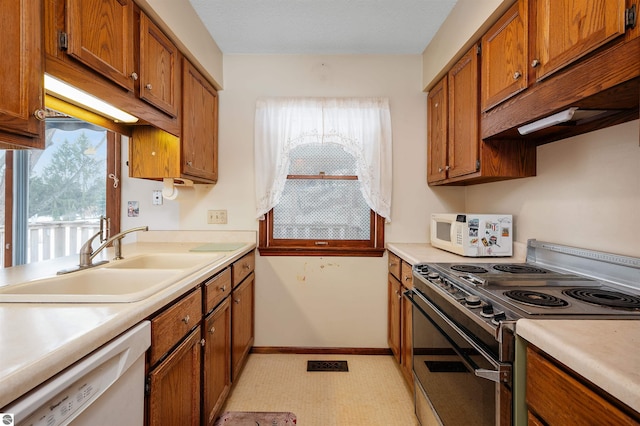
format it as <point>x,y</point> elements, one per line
<point>169,187</point>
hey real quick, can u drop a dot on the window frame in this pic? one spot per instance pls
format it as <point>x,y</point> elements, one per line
<point>270,246</point>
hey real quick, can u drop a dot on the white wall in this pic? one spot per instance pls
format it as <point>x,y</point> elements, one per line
<point>586,193</point>
<point>311,301</point>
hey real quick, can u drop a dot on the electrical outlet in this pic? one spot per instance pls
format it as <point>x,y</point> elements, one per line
<point>217,216</point>
<point>157,197</point>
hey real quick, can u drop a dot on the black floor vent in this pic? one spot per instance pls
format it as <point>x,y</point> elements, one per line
<point>327,366</point>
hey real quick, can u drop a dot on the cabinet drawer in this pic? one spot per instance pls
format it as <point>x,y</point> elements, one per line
<point>560,398</point>
<point>169,327</point>
<point>243,267</point>
<point>394,265</point>
<point>216,289</point>
<point>406,275</point>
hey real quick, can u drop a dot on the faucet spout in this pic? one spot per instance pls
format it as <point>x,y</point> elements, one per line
<point>117,243</point>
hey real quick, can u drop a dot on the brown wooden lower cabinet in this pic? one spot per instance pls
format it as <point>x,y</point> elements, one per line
<point>399,322</point>
<point>557,396</point>
<point>242,324</point>
<point>174,386</point>
<point>216,361</point>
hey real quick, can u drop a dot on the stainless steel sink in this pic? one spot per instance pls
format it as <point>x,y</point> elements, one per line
<point>120,281</point>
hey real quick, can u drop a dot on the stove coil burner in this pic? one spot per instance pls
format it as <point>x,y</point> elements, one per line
<point>608,298</point>
<point>535,298</point>
<point>518,269</point>
<point>469,269</point>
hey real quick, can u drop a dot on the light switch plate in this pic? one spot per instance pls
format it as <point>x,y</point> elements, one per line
<point>216,216</point>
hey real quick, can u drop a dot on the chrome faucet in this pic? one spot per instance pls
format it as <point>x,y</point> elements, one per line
<point>87,253</point>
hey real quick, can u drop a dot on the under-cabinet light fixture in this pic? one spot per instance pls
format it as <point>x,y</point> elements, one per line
<point>552,120</point>
<point>69,93</point>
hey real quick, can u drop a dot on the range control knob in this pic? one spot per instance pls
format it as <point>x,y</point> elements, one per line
<point>473,301</point>
<point>487,311</point>
<point>498,316</point>
<point>433,275</point>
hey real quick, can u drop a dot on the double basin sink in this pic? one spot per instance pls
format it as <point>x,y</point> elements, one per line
<point>119,281</point>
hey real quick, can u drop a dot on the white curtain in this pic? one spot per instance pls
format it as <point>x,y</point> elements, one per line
<point>362,126</point>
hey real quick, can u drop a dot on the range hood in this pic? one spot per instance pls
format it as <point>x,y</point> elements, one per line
<point>573,116</point>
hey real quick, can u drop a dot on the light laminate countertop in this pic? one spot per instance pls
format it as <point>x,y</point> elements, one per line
<point>38,340</point>
<point>605,352</point>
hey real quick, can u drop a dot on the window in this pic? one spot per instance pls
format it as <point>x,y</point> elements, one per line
<point>53,198</point>
<point>324,184</point>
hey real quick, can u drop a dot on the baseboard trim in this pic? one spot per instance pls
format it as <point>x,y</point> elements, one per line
<point>310,350</point>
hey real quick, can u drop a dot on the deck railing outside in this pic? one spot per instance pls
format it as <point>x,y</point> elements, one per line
<point>49,240</point>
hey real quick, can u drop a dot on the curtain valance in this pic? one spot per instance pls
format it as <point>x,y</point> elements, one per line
<point>362,126</point>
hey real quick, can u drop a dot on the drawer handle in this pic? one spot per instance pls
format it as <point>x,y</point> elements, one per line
<point>212,330</point>
<point>186,319</point>
<point>392,264</point>
<point>407,278</point>
<point>246,266</point>
<point>223,288</point>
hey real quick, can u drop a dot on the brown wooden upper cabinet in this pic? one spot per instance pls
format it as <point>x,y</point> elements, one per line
<point>100,35</point>
<point>437,131</point>
<point>21,68</point>
<point>159,68</point>
<point>456,153</point>
<point>199,125</point>
<point>505,56</point>
<point>536,38</point>
<point>565,30</point>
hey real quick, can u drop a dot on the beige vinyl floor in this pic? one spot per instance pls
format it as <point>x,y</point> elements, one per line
<point>372,392</point>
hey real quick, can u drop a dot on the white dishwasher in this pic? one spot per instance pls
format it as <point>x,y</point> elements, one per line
<point>104,388</point>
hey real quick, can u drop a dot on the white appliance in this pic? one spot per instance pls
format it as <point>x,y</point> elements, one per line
<point>104,388</point>
<point>473,235</point>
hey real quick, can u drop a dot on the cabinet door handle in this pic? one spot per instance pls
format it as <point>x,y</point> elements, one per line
<point>186,319</point>
<point>517,75</point>
<point>40,114</point>
<point>148,86</point>
<point>237,301</point>
<point>447,167</point>
<point>535,63</point>
<point>190,163</point>
<point>202,342</point>
<point>134,76</point>
<point>212,330</point>
<point>407,278</point>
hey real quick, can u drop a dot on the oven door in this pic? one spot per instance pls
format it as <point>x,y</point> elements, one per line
<point>461,381</point>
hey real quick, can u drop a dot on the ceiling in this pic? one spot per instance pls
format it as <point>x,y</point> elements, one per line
<point>322,26</point>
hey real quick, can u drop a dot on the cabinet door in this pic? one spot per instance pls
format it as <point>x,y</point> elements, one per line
<point>464,119</point>
<point>21,68</point>
<point>158,68</point>
<point>437,113</point>
<point>100,36</point>
<point>199,125</point>
<point>505,56</point>
<point>566,30</point>
<point>394,312</point>
<point>242,313</point>
<point>216,364</point>
<point>174,386</point>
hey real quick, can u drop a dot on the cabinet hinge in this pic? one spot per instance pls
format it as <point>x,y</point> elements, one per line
<point>478,49</point>
<point>630,17</point>
<point>477,165</point>
<point>63,40</point>
<point>147,386</point>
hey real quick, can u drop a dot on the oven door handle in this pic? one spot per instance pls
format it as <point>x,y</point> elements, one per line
<point>502,373</point>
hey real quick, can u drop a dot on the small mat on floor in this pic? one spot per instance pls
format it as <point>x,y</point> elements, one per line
<point>327,366</point>
<point>255,418</point>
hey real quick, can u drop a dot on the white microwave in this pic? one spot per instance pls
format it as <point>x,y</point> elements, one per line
<point>473,235</point>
